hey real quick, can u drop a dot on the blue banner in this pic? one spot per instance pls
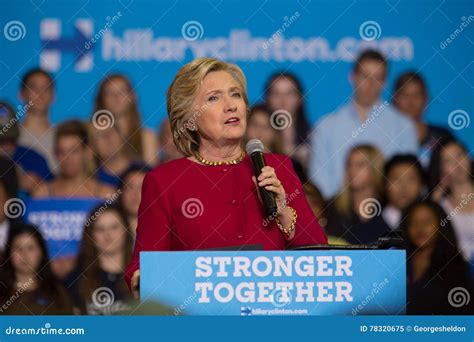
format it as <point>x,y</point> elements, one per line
<point>61,222</point>
<point>81,42</point>
<point>275,282</point>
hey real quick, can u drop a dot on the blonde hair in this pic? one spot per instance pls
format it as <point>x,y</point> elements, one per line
<point>181,96</point>
<point>344,200</point>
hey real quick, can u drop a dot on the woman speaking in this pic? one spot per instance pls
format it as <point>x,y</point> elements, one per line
<point>210,198</point>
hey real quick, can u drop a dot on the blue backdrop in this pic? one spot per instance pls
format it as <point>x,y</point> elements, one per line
<point>150,40</point>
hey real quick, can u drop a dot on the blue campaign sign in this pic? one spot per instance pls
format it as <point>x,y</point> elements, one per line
<point>61,221</point>
<point>276,282</point>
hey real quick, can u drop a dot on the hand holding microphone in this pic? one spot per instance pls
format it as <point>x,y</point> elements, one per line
<point>270,189</point>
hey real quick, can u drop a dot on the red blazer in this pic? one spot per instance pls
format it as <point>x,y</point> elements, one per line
<point>189,206</point>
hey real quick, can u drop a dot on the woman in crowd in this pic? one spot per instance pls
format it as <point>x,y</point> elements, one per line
<point>403,186</point>
<point>28,285</point>
<point>96,284</point>
<point>131,192</point>
<point>111,155</point>
<point>285,98</point>
<point>436,271</point>
<point>452,186</point>
<point>354,214</point>
<point>259,127</point>
<point>117,95</point>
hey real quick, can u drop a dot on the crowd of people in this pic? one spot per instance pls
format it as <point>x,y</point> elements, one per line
<point>369,168</point>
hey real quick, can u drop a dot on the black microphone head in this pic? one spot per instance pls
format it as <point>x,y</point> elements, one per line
<point>254,145</point>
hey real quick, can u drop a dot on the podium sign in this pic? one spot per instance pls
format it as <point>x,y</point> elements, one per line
<point>252,283</point>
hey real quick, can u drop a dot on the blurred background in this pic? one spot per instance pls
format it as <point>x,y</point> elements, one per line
<point>149,41</point>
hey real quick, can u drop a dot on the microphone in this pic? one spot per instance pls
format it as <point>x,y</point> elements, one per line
<point>255,149</point>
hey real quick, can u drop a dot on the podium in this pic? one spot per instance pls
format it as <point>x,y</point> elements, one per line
<point>291,282</point>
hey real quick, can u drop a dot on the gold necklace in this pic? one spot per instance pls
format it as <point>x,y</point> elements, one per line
<point>217,163</point>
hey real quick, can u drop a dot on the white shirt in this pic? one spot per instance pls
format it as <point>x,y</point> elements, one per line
<point>4,230</point>
<point>42,144</point>
<point>392,216</point>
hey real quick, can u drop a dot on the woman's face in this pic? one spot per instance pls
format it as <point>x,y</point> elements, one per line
<point>118,98</point>
<point>109,233</point>
<point>455,163</point>
<point>221,108</point>
<point>26,254</point>
<point>358,171</point>
<point>107,142</point>
<point>283,95</point>
<point>423,226</point>
<point>404,185</point>
<point>411,100</point>
<point>259,128</point>
<point>71,155</point>
<point>132,192</point>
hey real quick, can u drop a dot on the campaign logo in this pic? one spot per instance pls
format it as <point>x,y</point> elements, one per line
<point>55,44</point>
<point>245,311</point>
